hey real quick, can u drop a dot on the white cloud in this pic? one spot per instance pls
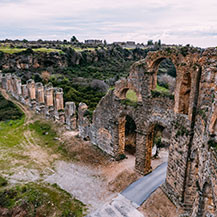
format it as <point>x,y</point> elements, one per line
<point>182,21</point>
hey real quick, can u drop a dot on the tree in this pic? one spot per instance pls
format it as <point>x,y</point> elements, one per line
<point>25,40</point>
<point>150,42</point>
<point>74,39</point>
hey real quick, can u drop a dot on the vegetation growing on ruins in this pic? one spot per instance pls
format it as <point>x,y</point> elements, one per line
<point>131,95</point>
<point>161,91</point>
<point>40,199</point>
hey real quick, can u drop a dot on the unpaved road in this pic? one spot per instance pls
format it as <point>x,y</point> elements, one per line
<point>87,179</point>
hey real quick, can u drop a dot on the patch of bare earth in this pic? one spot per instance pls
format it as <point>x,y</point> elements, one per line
<point>84,152</point>
<point>122,180</point>
<point>38,154</point>
<point>159,205</point>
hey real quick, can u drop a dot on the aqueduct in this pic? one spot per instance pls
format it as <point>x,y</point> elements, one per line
<point>189,118</point>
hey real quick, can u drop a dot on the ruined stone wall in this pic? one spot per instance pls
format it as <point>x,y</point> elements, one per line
<point>190,119</point>
<point>47,100</point>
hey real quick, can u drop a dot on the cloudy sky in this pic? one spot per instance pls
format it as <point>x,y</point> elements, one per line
<point>173,21</point>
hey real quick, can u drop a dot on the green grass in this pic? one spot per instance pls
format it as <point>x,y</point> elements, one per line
<point>43,131</point>
<point>41,200</point>
<point>11,139</point>
<point>131,95</point>
<point>162,89</point>
<point>10,50</point>
<point>47,50</point>
<point>161,92</point>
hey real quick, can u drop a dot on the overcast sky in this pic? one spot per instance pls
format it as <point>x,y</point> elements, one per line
<point>173,21</point>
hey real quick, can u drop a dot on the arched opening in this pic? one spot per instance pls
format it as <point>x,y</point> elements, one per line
<point>130,136</point>
<point>130,95</point>
<point>164,77</point>
<point>157,146</point>
<point>184,94</point>
<point>127,136</point>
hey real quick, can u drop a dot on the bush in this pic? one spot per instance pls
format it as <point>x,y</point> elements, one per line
<point>3,181</point>
<point>9,111</point>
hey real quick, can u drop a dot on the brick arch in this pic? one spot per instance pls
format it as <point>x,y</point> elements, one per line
<point>149,140</point>
<point>123,86</point>
<point>121,131</point>
<point>154,69</point>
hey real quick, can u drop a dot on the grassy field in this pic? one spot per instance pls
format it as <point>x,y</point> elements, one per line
<point>9,50</point>
<point>47,50</point>
<point>27,145</point>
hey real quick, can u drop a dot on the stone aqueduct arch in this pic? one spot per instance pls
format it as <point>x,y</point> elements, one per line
<point>183,117</point>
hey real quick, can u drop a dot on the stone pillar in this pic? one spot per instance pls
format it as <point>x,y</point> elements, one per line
<point>40,101</point>
<point>4,82</point>
<point>32,94</point>
<point>8,82</point>
<point>1,75</point>
<point>83,122</point>
<point>70,115</point>
<point>121,135</point>
<point>143,154</point>
<point>49,104</point>
<point>25,94</point>
<point>58,99</point>
<point>19,89</point>
<point>59,104</point>
<point>14,86</point>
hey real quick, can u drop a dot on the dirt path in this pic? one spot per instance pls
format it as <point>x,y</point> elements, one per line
<point>26,111</point>
<point>89,175</point>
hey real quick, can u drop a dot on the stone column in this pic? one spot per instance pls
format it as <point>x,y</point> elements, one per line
<point>25,94</point>
<point>14,86</point>
<point>1,75</point>
<point>49,104</point>
<point>4,82</point>
<point>40,101</point>
<point>8,81</point>
<point>143,154</point>
<point>83,122</point>
<point>70,115</point>
<point>121,135</point>
<point>19,89</point>
<point>32,94</point>
<point>59,104</point>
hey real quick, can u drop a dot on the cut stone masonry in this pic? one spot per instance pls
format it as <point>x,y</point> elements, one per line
<point>47,100</point>
<point>189,119</point>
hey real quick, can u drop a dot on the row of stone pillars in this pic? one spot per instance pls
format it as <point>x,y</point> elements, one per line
<point>46,100</point>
